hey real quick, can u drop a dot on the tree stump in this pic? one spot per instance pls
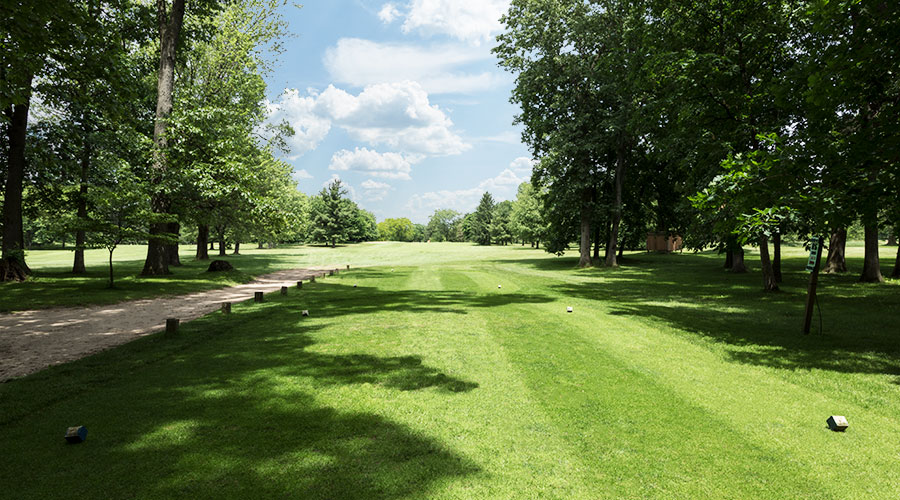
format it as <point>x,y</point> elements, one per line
<point>299,284</point>
<point>257,296</point>
<point>348,266</point>
<point>219,266</point>
<point>284,290</point>
<point>172,326</point>
<point>226,307</point>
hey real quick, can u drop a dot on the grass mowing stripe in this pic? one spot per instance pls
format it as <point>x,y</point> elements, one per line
<point>609,411</point>
<point>429,382</point>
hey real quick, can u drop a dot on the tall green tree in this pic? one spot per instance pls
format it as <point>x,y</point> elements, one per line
<point>480,226</point>
<point>331,214</point>
<point>442,225</point>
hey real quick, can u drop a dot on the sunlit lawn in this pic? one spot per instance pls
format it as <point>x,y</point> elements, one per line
<point>671,379</point>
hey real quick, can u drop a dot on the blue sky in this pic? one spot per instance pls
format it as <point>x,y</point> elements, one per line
<point>402,100</point>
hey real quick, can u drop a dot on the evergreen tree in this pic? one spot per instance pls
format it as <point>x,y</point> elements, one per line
<point>481,221</point>
<point>332,214</point>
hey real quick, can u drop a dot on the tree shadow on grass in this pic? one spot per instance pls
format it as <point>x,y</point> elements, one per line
<point>228,408</point>
<point>336,296</point>
<point>690,294</point>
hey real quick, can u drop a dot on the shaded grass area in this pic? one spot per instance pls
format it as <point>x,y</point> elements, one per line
<point>672,379</point>
<point>53,283</point>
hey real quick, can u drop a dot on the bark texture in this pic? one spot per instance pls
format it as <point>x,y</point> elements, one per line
<point>81,211</point>
<point>13,265</point>
<point>237,248</point>
<point>769,282</point>
<point>202,242</point>
<point>585,247</point>
<point>169,23</point>
<point>871,266</point>
<point>836,261</point>
<point>172,248</point>
<point>617,209</point>
<point>737,261</point>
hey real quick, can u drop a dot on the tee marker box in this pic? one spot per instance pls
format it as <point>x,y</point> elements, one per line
<point>837,423</point>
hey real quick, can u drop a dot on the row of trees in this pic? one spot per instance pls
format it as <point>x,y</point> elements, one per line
<point>730,122</point>
<point>103,143</point>
<point>499,223</point>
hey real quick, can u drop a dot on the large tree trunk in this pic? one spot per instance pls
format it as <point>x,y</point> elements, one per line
<point>585,247</point>
<point>237,248</point>
<point>871,267</point>
<point>259,245</point>
<point>729,259</point>
<point>222,246</point>
<point>617,210</point>
<point>596,257</point>
<point>172,248</point>
<point>737,261</point>
<point>81,211</point>
<point>12,265</point>
<point>836,261</point>
<point>202,241</point>
<point>769,281</point>
<point>776,259</point>
<point>169,21</point>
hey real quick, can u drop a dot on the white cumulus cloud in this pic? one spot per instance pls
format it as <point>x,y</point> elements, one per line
<point>473,21</point>
<point>439,68</point>
<point>309,127</point>
<point>386,165</point>
<point>388,13</point>
<point>374,190</point>
<point>301,174</point>
<point>398,115</point>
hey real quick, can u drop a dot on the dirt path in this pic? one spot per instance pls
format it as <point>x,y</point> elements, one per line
<point>33,340</point>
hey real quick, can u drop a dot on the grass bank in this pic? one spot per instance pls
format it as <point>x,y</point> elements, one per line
<point>671,379</point>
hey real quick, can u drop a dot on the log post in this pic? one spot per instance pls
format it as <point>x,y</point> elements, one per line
<point>348,266</point>
<point>257,296</point>
<point>284,290</point>
<point>299,284</point>
<point>171,326</point>
<point>226,307</point>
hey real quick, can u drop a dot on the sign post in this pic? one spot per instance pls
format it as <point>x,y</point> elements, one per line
<point>815,257</point>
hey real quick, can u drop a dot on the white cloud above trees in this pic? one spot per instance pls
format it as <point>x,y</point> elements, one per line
<point>472,21</point>
<point>398,115</point>
<point>438,68</point>
<point>373,163</point>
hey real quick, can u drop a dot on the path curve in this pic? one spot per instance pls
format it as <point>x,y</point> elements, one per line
<point>33,340</point>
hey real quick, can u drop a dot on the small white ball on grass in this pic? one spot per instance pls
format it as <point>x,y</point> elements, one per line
<point>305,312</point>
<point>498,286</point>
<point>569,309</point>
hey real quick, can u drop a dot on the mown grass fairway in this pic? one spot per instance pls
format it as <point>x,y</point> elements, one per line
<point>671,379</point>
